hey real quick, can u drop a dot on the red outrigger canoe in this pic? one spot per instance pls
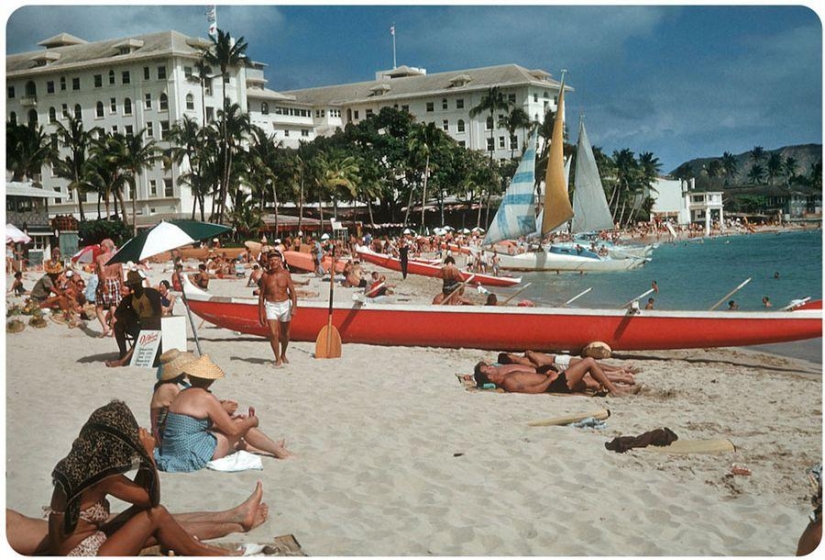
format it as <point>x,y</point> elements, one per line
<point>432,270</point>
<point>511,328</point>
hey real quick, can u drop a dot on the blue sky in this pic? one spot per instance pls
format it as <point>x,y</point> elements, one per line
<point>679,81</point>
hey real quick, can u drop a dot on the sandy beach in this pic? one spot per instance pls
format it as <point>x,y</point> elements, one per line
<point>396,458</point>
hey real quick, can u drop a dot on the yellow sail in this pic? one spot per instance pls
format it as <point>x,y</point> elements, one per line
<point>557,208</point>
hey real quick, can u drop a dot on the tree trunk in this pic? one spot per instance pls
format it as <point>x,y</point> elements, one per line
<point>424,193</point>
<point>409,206</point>
<point>301,204</point>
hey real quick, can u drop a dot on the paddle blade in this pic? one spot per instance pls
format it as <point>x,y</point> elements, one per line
<point>328,343</point>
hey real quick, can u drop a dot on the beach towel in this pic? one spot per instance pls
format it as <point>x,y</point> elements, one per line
<point>696,446</point>
<point>285,545</point>
<point>236,462</point>
<point>470,385</point>
<point>659,437</point>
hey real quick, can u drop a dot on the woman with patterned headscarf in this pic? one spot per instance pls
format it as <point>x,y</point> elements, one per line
<point>110,445</point>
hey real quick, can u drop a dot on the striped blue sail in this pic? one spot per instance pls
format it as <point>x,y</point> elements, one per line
<point>516,215</point>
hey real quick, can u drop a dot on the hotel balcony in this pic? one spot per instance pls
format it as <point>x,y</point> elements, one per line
<point>29,101</point>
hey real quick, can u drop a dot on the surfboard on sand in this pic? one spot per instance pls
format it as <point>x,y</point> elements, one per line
<point>600,414</point>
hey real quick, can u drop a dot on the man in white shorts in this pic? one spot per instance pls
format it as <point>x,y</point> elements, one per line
<point>277,304</point>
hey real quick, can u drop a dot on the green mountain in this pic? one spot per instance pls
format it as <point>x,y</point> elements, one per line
<point>806,155</point>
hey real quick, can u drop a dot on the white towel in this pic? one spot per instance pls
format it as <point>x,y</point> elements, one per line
<point>236,462</point>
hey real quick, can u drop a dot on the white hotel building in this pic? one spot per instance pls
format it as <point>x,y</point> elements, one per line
<point>150,82</point>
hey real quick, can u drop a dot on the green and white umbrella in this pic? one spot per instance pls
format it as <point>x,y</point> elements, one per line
<point>166,236</point>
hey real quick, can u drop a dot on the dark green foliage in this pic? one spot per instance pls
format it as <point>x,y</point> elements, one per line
<point>95,231</point>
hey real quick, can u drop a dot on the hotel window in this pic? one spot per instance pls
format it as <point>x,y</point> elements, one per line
<point>286,133</point>
<point>501,144</point>
<point>190,102</point>
<point>65,111</point>
<point>459,103</point>
<point>164,129</point>
<point>187,71</point>
<point>50,86</point>
<point>130,130</point>
<point>368,113</point>
<point>305,132</point>
<point>62,83</point>
<point>445,125</point>
<point>147,101</point>
<point>489,124</point>
<point>11,92</point>
<point>153,187</point>
<point>75,84</point>
<point>13,118</point>
<point>57,200</point>
<point>430,107</point>
<point>98,80</point>
<point>405,108</point>
<point>462,143</point>
<point>444,104</point>
<point>210,114</point>
<point>114,129</point>
<point>78,112</point>
<point>164,102</point>
<point>356,115</point>
<point>111,77</point>
<point>127,106</point>
<point>460,125</point>
<point>264,108</point>
<point>207,86</point>
<point>52,115</point>
<point>489,144</point>
<point>535,98</point>
<point>511,98</point>
<point>99,109</point>
<point>146,74</point>
<point>125,77</point>
<point>113,105</point>
<point>513,143</point>
<point>168,188</point>
<point>161,72</point>
<point>150,129</point>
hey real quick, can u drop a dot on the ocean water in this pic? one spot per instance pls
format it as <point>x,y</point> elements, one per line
<point>696,274</point>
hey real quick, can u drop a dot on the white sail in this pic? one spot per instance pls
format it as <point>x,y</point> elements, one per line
<point>516,215</point>
<point>589,201</point>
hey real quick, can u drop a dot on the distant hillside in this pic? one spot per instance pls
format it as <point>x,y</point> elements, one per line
<point>805,156</point>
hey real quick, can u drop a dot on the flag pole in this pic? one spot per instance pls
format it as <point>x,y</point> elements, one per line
<point>392,32</point>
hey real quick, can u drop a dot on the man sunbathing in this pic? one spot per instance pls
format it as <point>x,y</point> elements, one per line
<point>520,378</point>
<point>560,362</point>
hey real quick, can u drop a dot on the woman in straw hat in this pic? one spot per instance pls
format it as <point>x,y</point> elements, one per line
<point>110,445</point>
<point>171,379</point>
<point>198,429</point>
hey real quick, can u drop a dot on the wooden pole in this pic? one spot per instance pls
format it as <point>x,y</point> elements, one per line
<point>730,293</point>
<point>574,298</point>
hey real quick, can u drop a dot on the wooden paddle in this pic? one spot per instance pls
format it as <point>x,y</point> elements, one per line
<point>328,342</point>
<point>447,299</point>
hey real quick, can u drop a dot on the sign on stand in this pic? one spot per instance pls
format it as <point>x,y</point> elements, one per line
<point>146,348</point>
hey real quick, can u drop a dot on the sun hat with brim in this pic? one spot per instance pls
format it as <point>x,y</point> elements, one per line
<point>202,368</point>
<point>172,363</point>
<point>53,267</point>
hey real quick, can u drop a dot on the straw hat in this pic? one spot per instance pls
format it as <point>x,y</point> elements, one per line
<point>172,363</point>
<point>53,267</point>
<point>202,368</point>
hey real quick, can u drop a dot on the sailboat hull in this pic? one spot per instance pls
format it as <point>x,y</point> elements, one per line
<point>551,261</point>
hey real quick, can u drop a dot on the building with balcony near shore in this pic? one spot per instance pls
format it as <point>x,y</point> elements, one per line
<point>150,82</point>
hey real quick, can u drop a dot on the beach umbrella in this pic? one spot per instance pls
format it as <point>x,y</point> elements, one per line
<point>87,254</point>
<point>166,236</point>
<point>14,235</point>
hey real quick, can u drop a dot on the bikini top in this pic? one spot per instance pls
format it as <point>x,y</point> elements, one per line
<point>96,514</point>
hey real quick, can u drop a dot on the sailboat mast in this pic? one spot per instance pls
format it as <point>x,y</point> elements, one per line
<point>557,208</point>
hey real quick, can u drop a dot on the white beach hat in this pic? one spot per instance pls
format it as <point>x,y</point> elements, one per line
<point>325,236</point>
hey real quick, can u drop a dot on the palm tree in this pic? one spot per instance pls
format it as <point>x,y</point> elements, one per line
<point>190,142</point>
<point>423,141</point>
<point>234,126</point>
<point>492,101</point>
<point>790,167</point>
<point>77,140</point>
<point>138,156</point>
<point>756,173</point>
<point>105,174</point>
<point>517,118</point>
<point>264,166</point>
<point>28,149</point>
<point>774,167</point>
<point>225,53</point>
<point>730,166</point>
